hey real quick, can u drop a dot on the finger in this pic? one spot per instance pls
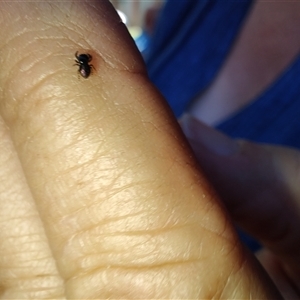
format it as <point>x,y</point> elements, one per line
<point>27,268</point>
<point>107,166</point>
<point>260,187</point>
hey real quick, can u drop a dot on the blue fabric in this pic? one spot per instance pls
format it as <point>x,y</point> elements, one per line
<point>273,117</point>
<point>192,41</point>
<point>190,44</point>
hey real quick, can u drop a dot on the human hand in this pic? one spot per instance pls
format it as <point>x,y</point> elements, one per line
<point>260,187</point>
<point>100,196</point>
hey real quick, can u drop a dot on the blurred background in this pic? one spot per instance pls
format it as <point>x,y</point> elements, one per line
<point>140,17</point>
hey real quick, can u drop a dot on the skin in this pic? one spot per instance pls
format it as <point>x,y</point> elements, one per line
<point>100,194</point>
<point>259,185</point>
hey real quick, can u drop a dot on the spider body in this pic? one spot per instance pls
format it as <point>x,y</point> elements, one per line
<point>83,62</point>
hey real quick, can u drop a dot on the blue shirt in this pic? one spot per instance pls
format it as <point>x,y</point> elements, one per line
<point>192,40</point>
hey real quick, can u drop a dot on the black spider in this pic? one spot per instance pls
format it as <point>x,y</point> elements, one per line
<point>82,61</point>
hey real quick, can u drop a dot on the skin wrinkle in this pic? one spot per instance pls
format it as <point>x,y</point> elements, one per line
<point>15,67</point>
<point>88,160</point>
<point>20,65</point>
<point>229,283</point>
<point>220,294</point>
<point>149,232</point>
<point>108,198</point>
<point>133,270</point>
<point>74,138</point>
<point>13,39</point>
<point>108,219</point>
<point>132,280</point>
<point>27,139</point>
<point>70,170</point>
<point>21,254</point>
<point>210,205</point>
<point>87,261</point>
<point>35,87</point>
<point>136,266</point>
<point>104,221</point>
<point>86,209</point>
